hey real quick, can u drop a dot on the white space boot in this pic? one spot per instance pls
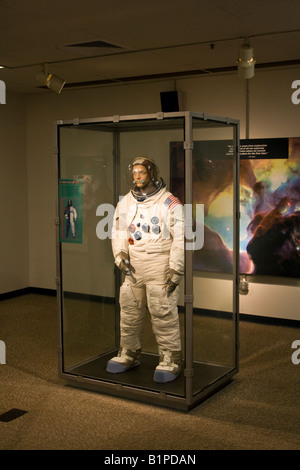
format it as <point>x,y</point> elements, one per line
<point>169,366</point>
<point>125,360</point>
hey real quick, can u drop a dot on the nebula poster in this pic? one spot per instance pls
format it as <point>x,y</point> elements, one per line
<point>270,210</point>
<point>269,203</point>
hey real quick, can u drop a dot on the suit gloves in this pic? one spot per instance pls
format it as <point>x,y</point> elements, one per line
<point>124,264</point>
<point>172,281</point>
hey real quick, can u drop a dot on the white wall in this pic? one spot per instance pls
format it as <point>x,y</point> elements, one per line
<point>272,114</point>
<point>14,272</point>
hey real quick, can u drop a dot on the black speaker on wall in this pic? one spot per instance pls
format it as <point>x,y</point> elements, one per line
<point>169,101</point>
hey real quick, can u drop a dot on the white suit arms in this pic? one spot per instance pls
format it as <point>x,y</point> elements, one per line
<point>177,247</point>
<point>119,239</point>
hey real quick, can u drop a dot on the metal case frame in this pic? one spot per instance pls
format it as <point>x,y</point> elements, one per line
<point>163,395</point>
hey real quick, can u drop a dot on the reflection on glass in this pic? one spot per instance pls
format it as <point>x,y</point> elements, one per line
<point>213,163</point>
<point>213,326</point>
<point>86,179</point>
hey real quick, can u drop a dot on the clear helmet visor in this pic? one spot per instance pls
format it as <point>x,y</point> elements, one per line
<point>143,175</point>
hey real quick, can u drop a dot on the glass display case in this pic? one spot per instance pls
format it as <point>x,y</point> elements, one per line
<point>198,158</point>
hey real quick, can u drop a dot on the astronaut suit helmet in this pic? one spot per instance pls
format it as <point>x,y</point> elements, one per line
<point>143,176</point>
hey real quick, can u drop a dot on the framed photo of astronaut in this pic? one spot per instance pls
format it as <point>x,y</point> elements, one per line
<point>70,211</point>
<point>269,204</point>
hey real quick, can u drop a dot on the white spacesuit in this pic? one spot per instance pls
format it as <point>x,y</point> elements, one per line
<point>148,246</point>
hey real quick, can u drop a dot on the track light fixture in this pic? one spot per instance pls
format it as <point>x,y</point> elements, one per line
<point>246,62</point>
<point>51,81</point>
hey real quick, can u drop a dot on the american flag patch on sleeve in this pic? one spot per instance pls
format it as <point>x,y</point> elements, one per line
<point>171,202</point>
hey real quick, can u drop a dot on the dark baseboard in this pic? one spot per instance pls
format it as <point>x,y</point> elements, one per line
<point>42,291</point>
<point>245,317</point>
<point>15,293</point>
<point>197,311</point>
<point>27,290</point>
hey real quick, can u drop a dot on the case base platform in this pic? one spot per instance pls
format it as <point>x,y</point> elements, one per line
<point>141,377</point>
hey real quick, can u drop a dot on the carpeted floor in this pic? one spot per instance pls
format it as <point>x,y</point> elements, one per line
<point>258,410</point>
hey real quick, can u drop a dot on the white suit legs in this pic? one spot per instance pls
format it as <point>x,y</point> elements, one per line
<point>133,310</point>
<point>164,317</point>
<point>163,311</point>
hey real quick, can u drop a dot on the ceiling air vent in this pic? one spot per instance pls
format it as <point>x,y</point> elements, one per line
<point>98,44</point>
